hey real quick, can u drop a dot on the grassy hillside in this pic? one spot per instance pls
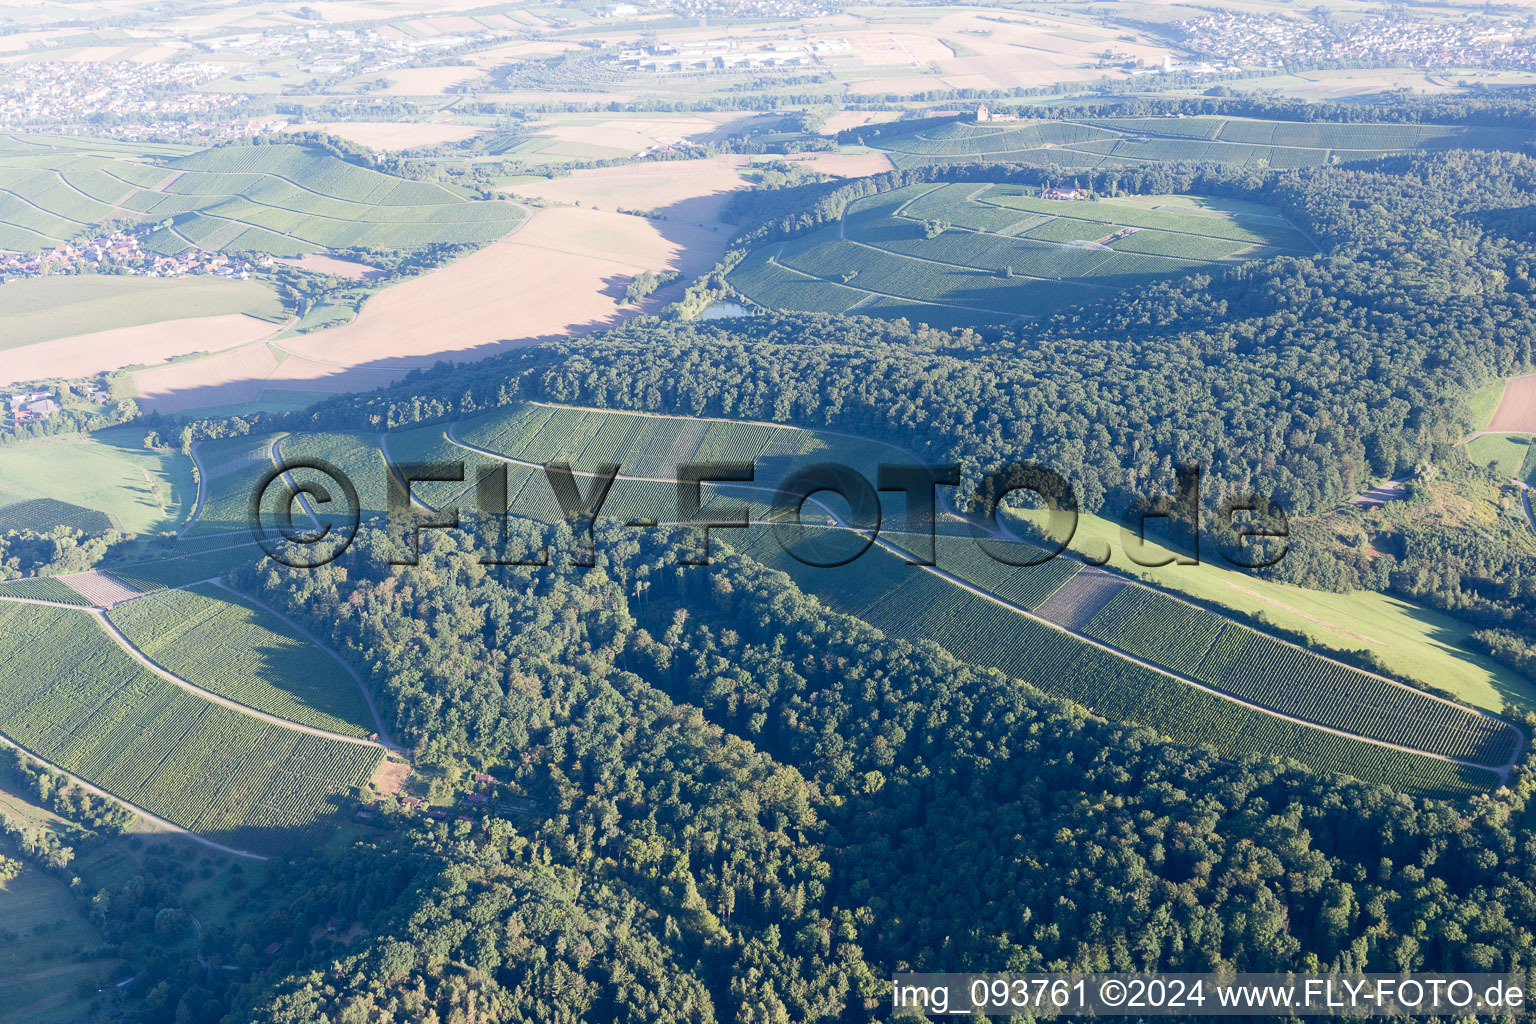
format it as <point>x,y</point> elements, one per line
<point>1510,455</point>
<point>1412,640</point>
<point>1109,142</point>
<point>110,471</point>
<point>975,252</point>
<point>43,308</point>
<point>52,957</point>
<point>282,199</point>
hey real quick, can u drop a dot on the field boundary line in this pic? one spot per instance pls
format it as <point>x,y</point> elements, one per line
<point>218,698</point>
<point>50,213</point>
<point>867,292</point>
<point>1520,738</point>
<point>1502,773</point>
<point>1088,220</point>
<point>170,826</point>
<point>385,740</point>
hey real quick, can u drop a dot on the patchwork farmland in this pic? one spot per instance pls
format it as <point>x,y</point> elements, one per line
<point>286,200</point>
<point>975,252</point>
<point>1127,141</point>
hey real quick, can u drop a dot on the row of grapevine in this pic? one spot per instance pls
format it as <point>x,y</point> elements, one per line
<point>212,639</point>
<point>921,606</point>
<point>1258,668</point>
<point>81,702</point>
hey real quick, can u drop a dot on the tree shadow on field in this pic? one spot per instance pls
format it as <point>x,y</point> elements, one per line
<point>689,229</point>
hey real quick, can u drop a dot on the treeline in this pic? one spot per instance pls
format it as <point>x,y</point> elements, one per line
<point>1508,649</point>
<point>1513,108</point>
<point>66,799</point>
<point>737,797</point>
<point>1303,379</point>
<point>771,215</point>
<point>63,549</point>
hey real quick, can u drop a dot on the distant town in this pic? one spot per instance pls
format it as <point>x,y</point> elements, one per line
<point>52,92</point>
<point>119,252</point>
<point>1275,41</point>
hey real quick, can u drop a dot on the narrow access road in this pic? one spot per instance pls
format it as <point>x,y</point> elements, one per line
<point>378,720</point>
<point>202,487</point>
<point>169,826</point>
<point>1502,771</point>
<point>233,705</point>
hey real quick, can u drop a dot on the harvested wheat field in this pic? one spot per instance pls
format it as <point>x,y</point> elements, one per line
<point>392,135</point>
<point>349,269</point>
<point>564,273</point>
<point>845,119</point>
<point>87,354</point>
<point>691,191</point>
<point>1516,414</point>
<point>426,81</point>
<point>845,165</point>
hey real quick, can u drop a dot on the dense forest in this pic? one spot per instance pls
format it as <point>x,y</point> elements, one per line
<point>733,805</point>
<point>724,802</point>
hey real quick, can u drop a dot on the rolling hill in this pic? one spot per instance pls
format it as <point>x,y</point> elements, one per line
<point>975,252</point>
<point>1127,141</point>
<point>286,200</point>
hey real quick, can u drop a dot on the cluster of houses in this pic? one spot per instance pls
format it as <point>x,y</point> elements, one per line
<point>1062,193</point>
<point>1173,67</point>
<point>727,54</point>
<point>327,50</point>
<point>54,92</point>
<point>746,9</point>
<point>120,252</point>
<point>196,131</point>
<point>27,406</point>
<point>1274,40</point>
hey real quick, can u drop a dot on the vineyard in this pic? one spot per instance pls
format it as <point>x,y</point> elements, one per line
<point>232,467</point>
<point>44,514</point>
<point>1265,671</point>
<point>911,604</point>
<point>990,252</point>
<point>81,702</point>
<point>44,588</point>
<point>1108,142</point>
<point>212,639</point>
<point>281,199</point>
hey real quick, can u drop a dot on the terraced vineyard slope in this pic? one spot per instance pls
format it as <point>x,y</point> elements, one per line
<point>975,252</point>
<point>1126,141</point>
<point>71,695</point>
<point>281,199</point>
<point>212,639</point>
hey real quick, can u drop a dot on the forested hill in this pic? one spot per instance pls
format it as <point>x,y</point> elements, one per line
<point>732,804</point>
<point>1354,363</point>
<point>738,806</point>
